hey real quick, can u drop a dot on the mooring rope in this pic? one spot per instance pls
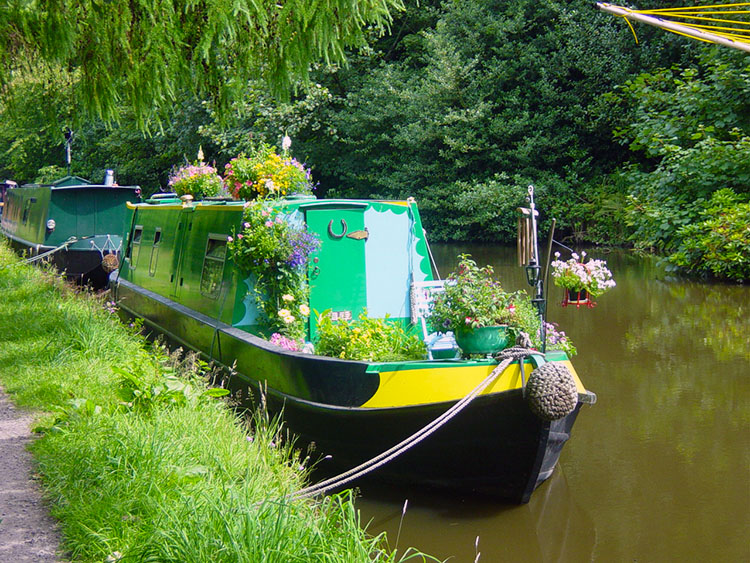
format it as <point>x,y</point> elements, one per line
<point>44,255</point>
<point>509,355</point>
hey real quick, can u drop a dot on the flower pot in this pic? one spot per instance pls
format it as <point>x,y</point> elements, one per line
<point>577,298</point>
<point>484,340</point>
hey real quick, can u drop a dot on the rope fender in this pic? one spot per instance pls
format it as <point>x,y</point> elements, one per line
<point>551,391</point>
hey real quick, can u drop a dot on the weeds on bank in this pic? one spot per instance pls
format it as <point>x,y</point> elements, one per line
<point>140,460</point>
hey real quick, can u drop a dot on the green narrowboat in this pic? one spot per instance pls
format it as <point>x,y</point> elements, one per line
<point>178,275</point>
<point>79,224</point>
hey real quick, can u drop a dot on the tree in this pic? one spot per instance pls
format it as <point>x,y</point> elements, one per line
<point>475,100</point>
<point>144,53</point>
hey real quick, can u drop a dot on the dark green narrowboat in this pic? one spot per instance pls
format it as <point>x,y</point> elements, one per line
<point>178,275</point>
<point>80,224</point>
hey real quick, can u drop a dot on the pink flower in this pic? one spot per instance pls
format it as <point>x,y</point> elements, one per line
<point>468,320</point>
<point>246,225</point>
<point>239,237</point>
<point>229,239</point>
<point>269,223</point>
<point>264,213</point>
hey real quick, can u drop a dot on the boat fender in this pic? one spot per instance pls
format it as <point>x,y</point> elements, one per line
<point>110,263</point>
<point>551,391</point>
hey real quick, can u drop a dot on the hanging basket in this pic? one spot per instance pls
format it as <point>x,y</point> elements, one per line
<point>578,298</point>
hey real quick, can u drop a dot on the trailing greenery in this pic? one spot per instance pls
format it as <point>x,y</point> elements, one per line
<point>142,53</point>
<point>139,459</point>
<point>274,249</point>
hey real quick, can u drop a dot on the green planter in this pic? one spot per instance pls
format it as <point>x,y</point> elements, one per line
<point>485,340</point>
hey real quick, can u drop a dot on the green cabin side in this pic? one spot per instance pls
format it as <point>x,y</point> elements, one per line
<point>370,253</point>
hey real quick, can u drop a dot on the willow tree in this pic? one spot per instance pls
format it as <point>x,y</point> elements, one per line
<point>141,53</point>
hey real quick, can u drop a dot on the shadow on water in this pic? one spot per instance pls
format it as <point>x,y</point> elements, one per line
<point>551,527</point>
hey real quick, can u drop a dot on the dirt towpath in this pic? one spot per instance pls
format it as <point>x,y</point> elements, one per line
<point>27,531</point>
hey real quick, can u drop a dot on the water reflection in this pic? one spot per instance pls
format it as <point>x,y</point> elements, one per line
<point>657,470</point>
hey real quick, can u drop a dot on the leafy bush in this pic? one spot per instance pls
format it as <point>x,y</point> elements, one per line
<point>373,340</point>
<point>719,245</point>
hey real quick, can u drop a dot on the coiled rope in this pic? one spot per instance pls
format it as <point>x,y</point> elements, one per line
<point>508,356</point>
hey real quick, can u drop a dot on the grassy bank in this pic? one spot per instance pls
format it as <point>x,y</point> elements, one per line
<point>140,460</point>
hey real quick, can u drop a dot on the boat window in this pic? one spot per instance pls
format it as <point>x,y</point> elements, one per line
<point>154,253</point>
<point>213,265</point>
<point>26,209</point>
<point>135,247</point>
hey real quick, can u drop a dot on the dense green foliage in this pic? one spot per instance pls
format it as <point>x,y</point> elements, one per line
<point>138,458</point>
<point>461,106</point>
<point>692,128</point>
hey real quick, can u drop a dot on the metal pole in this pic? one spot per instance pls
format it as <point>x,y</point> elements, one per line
<point>68,143</point>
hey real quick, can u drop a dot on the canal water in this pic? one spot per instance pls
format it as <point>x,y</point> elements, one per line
<point>657,470</point>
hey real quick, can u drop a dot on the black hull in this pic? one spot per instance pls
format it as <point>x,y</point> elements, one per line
<point>81,266</point>
<point>495,446</point>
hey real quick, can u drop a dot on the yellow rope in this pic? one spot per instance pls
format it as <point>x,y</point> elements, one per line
<point>700,18</point>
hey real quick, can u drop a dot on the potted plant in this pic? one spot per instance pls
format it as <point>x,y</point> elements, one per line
<point>581,280</point>
<point>483,317</point>
<point>198,180</point>
<point>266,173</point>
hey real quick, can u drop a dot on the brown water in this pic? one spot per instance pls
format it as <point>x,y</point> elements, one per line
<point>657,470</point>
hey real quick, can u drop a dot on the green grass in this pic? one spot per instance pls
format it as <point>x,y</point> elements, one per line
<point>139,460</point>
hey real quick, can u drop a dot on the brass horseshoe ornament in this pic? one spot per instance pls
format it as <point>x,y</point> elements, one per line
<point>335,236</point>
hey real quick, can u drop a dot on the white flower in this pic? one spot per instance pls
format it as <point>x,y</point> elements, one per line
<point>287,297</point>
<point>286,142</point>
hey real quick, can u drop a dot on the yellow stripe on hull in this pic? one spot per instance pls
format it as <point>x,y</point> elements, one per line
<point>401,388</point>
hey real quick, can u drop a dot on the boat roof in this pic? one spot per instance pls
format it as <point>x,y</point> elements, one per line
<point>76,182</point>
<point>303,202</point>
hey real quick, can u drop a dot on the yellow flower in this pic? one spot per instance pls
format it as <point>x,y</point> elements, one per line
<point>284,313</point>
<point>304,310</point>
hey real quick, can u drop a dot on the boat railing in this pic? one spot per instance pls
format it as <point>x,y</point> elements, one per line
<point>421,295</point>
